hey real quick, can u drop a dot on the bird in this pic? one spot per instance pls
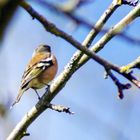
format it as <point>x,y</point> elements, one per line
<point>39,72</point>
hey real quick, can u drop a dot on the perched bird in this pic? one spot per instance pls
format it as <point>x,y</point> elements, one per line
<point>41,69</point>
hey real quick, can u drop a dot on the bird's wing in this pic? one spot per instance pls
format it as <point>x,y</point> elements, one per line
<point>35,70</point>
<point>33,62</point>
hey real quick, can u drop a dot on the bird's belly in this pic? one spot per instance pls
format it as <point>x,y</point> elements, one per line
<point>36,84</point>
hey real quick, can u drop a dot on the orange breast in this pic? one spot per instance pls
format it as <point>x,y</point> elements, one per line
<point>45,77</point>
<point>49,74</point>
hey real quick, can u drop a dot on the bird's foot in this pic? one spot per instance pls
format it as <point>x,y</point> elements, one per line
<point>47,88</point>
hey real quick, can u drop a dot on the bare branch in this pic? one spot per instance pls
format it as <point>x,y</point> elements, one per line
<point>80,21</point>
<point>130,66</point>
<point>130,2</point>
<point>53,29</point>
<point>119,85</point>
<point>99,45</point>
<point>112,32</point>
<point>60,108</point>
<point>61,80</point>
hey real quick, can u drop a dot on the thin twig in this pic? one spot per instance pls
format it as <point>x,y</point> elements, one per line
<point>119,85</point>
<point>53,29</point>
<point>60,108</point>
<point>98,46</point>
<point>80,21</point>
<point>55,87</point>
<point>112,32</point>
<point>134,64</point>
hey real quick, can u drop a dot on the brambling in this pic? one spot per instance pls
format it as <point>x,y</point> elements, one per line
<point>41,70</point>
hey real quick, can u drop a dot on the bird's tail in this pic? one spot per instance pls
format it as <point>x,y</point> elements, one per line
<point>21,91</point>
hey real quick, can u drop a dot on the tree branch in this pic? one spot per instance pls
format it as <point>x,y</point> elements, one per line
<point>53,29</point>
<point>112,32</point>
<point>130,66</point>
<point>60,108</point>
<point>61,80</point>
<point>80,21</point>
<point>119,85</point>
<point>98,46</point>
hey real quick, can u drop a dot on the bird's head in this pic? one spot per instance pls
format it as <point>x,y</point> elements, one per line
<point>43,48</point>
